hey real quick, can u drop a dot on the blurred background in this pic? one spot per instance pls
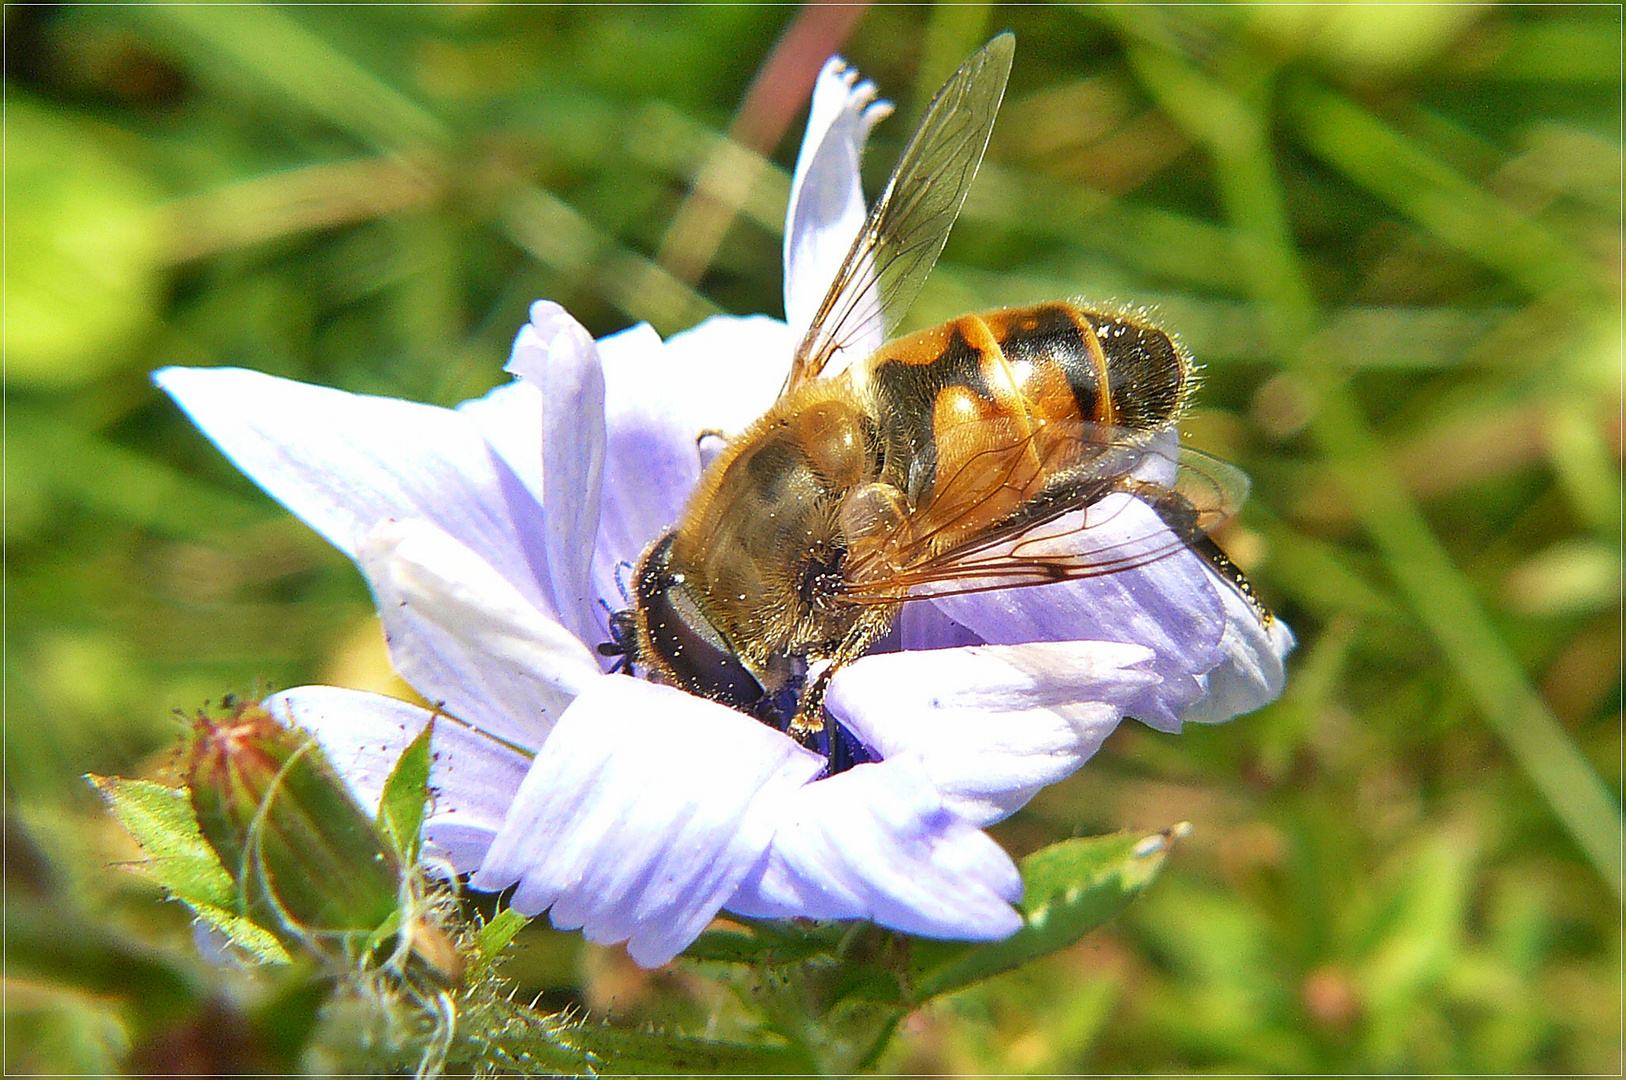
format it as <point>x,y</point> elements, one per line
<point>1392,235</point>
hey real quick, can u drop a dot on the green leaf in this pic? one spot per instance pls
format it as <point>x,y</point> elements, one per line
<point>383,932</point>
<point>768,942</point>
<point>405,799</point>
<point>162,821</point>
<point>498,1036</point>
<point>260,944</point>
<point>656,1052</point>
<point>495,935</point>
<point>1070,889</point>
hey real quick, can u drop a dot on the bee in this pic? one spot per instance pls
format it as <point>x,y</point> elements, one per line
<point>958,459</point>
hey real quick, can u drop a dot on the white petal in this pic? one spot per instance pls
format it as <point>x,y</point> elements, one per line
<point>876,842</point>
<point>922,625</point>
<point>990,725</point>
<point>729,371</point>
<point>826,208</point>
<point>1172,605</point>
<point>463,636</point>
<point>472,777</point>
<point>344,462</point>
<point>510,419</point>
<point>553,352</point>
<point>642,814</point>
<point>651,460</point>
<point>1252,672</point>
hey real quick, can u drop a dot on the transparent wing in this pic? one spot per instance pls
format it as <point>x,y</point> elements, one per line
<point>1213,489</point>
<point>910,222</point>
<point>1044,506</point>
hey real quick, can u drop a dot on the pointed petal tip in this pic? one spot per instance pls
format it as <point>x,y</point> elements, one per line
<point>541,311</point>
<point>826,208</point>
<point>996,924</point>
<point>180,382</point>
<point>173,375</point>
<point>651,955</point>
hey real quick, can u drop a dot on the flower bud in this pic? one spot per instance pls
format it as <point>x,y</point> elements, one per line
<point>309,866</point>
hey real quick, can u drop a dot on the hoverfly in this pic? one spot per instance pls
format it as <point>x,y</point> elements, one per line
<point>957,459</point>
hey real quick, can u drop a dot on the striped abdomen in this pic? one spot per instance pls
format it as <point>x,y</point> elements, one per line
<point>946,394</point>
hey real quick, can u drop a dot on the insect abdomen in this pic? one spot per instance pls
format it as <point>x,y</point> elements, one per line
<point>1144,375</point>
<point>1053,361</point>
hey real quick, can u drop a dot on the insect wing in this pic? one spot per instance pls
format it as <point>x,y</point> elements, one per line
<point>1059,503</point>
<point>909,224</point>
<point>1214,489</point>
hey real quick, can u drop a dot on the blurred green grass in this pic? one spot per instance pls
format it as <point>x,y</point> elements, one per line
<point>1392,234</point>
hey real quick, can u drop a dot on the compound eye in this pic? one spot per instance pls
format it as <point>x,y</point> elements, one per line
<point>684,640</point>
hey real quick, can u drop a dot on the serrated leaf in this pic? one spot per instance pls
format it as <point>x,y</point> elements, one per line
<point>405,799</point>
<point>258,943</point>
<point>498,1036</point>
<point>162,821</point>
<point>495,935</point>
<point>1070,888</point>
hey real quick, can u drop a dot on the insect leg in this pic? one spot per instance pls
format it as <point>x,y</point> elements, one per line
<point>872,624</point>
<point>1179,515</point>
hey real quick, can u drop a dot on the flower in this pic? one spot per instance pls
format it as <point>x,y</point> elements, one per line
<point>494,535</point>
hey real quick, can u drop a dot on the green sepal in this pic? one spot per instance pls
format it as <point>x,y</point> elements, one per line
<point>495,935</point>
<point>384,931</point>
<point>1070,888</point>
<point>405,801</point>
<point>306,859</point>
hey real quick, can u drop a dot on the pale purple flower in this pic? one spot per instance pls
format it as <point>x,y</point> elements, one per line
<point>495,535</point>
